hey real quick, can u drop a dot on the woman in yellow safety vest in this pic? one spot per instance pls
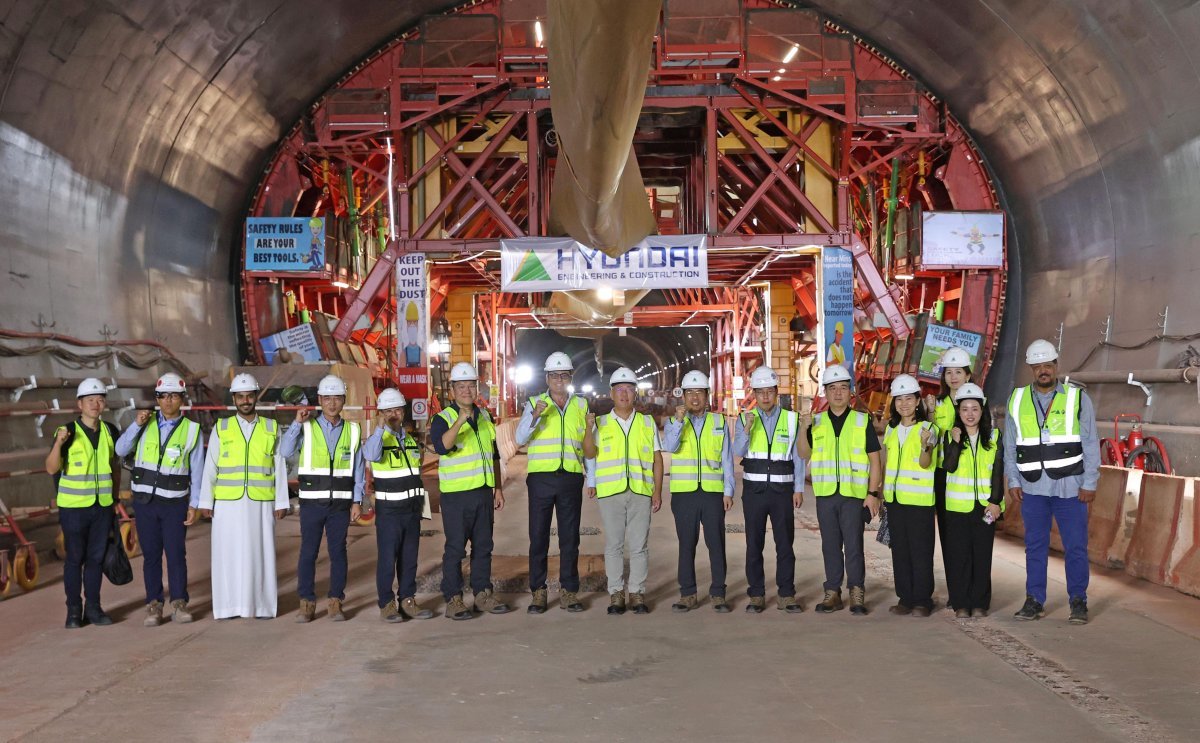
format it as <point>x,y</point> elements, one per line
<point>956,371</point>
<point>909,444</point>
<point>974,462</point>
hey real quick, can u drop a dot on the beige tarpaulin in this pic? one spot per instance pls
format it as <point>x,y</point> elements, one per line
<point>599,58</point>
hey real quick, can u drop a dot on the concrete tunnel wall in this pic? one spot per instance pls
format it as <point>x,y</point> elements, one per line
<point>132,134</point>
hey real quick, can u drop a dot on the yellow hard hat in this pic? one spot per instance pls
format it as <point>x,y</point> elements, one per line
<point>411,313</point>
<point>838,327</point>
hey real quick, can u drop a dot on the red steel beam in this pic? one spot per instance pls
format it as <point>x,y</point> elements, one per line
<point>869,272</point>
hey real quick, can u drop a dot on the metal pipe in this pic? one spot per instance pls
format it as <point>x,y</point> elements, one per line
<point>1186,375</point>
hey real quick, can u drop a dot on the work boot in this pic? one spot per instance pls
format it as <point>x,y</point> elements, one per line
<point>1079,612</point>
<point>153,614</point>
<point>538,605</point>
<point>637,603</point>
<point>487,601</point>
<point>719,605</point>
<point>569,600</point>
<point>457,610</point>
<point>179,612</point>
<point>412,611</point>
<point>335,610</point>
<point>921,611</point>
<point>685,604</point>
<point>900,609</point>
<point>858,600</point>
<point>95,615</point>
<point>1031,610</point>
<point>962,613</point>
<point>391,613</point>
<point>616,603</point>
<point>790,605</point>
<point>757,605</point>
<point>831,603</point>
<point>978,613</point>
<point>74,617</point>
<point>307,613</point>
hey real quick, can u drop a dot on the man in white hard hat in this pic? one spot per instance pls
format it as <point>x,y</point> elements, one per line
<point>701,488</point>
<point>464,437</point>
<point>244,491</point>
<point>87,477</point>
<point>1052,464</point>
<point>332,478</point>
<point>627,479</point>
<point>551,428</point>
<point>400,503</point>
<point>167,471</point>
<point>847,474</point>
<point>772,486</point>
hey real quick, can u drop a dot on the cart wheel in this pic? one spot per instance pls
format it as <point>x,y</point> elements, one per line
<point>129,539</point>
<point>1110,453</point>
<point>5,575</point>
<point>1152,457</point>
<point>60,546</point>
<point>25,567</point>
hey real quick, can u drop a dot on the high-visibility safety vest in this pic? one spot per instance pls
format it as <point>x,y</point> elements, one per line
<point>398,472</point>
<point>768,458</point>
<point>471,464</point>
<point>87,477</point>
<point>905,480</point>
<point>164,468</point>
<point>840,464</point>
<point>625,461</point>
<point>696,465</point>
<point>557,441</point>
<point>1060,454</point>
<point>246,467</point>
<point>323,475</point>
<point>944,416</point>
<point>972,481</point>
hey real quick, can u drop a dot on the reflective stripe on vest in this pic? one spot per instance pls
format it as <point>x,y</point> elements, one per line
<point>624,462</point>
<point>972,481</point>
<point>471,464</point>
<point>398,472</point>
<point>165,468</point>
<point>321,474</point>
<point>906,481</point>
<point>697,465</point>
<point>840,464</point>
<point>86,477</point>
<point>769,459</point>
<point>557,440</point>
<point>246,466</point>
<point>1062,453</point>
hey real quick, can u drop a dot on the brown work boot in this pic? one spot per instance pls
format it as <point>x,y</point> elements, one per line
<point>790,605</point>
<point>569,600</point>
<point>457,610</point>
<point>831,603</point>
<point>685,604</point>
<point>391,613</point>
<point>637,603</point>
<point>616,603</point>
<point>757,605</point>
<point>921,611</point>
<point>154,615</point>
<point>719,605</point>
<point>307,613</point>
<point>858,600</point>
<point>412,611</point>
<point>538,604</point>
<point>335,610</point>
<point>180,612</point>
<point>487,601</point>
<point>900,609</point>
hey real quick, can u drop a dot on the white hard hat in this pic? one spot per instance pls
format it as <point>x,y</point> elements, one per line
<point>244,383</point>
<point>390,399</point>
<point>956,358</point>
<point>559,361</point>
<point>969,392</point>
<point>763,377</point>
<point>463,372</point>
<point>170,382</point>
<point>90,386</point>
<point>905,384</point>
<point>624,375</point>
<point>835,373</point>
<point>1040,351</point>
<point>694,380</point>
<point>331,385</point>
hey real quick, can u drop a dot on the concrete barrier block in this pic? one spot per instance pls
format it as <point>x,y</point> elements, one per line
<point>1105,514</point>
<point>1184,571</point>
<point>1153,539</point>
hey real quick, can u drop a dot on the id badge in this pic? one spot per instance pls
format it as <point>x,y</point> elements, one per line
<point>173,452</point>
<point>1045,436</point>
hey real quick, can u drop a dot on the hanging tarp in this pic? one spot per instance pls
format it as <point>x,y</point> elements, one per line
<point>536,264</point>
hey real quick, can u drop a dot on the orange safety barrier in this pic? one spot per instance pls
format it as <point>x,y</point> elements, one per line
<point>1154,535</point>
<point>1184,575</point>
<point>1106,514</point>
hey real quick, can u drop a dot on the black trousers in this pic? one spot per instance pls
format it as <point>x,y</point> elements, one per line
<point>398,538</point>
<point>160,529</point>
<point>967,544</point>
<point>939,496</point>
<point>554,494</point>
<point>841,521</point>
<point>85,536</point>
<point>692,511</point>
<point>333,521</point>
<point>760,502</point>
<point>467,516</point>
<point>912,553</point>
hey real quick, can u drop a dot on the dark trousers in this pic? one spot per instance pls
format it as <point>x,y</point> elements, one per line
<point>160,529</point>
<point>758,504</point>
<point>967,544</point>
<point>332,521</point>
<point>467,516</point>
<point>912,553</point>
<point>939,496</point>
<point>85,535</point>
<point>692,511</point>
<point>841,521</point>
<point>398,537</point>
<point>559,494</point>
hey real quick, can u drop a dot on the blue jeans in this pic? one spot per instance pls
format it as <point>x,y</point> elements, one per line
<point>333,521</point>
<point>1071,514</point>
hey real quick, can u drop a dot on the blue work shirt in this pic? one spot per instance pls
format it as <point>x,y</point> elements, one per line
<point>372,448</point>
<point>333,432</point>
<point>1067,487</point>
<point>741,443</point>
<point>129,440</point>
<point>673,432</point>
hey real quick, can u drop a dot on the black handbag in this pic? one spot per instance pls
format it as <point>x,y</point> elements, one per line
<point>116,563</point>
<point>884,535</point>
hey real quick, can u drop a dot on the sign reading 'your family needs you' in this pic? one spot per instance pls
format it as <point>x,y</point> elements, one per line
<point>561,264</point>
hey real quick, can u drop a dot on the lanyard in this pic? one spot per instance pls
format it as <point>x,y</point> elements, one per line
<point>1043,413</point>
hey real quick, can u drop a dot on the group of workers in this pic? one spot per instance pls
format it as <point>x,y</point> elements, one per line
<point>939,460</point>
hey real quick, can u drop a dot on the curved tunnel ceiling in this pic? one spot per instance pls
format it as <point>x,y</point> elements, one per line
<point>132,134</point>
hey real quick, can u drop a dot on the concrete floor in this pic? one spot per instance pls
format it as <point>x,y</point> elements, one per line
<point>1131,675</point>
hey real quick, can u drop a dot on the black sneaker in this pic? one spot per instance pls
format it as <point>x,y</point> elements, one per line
<point>1034,610</point>
<point>95,615</point>
<point>1079,612</point>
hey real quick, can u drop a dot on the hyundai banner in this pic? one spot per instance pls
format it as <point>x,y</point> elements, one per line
<point>561,264</point>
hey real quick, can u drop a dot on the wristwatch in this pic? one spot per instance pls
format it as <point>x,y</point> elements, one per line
<point>874,493</point>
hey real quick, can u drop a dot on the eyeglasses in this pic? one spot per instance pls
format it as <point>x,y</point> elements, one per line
<point>560,376</point>
<point>165,395</point>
